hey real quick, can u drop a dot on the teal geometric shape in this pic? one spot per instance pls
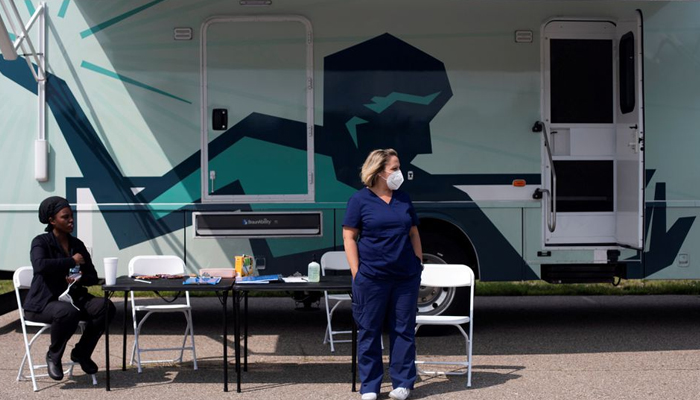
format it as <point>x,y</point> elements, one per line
<point>111,74</point>
<point>30,6</point>
<point>281,171</point>
<point>117,19</point>
<point>382,103</point>
<point>328,190</point>
<point>12,36</point>
<point>185,191</point>
<point>64,8</point>
<point>351,126</point>
<point>262,168</point>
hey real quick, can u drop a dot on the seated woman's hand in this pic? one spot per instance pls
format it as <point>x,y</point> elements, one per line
<point>78,258</point>
<point>70,279</point>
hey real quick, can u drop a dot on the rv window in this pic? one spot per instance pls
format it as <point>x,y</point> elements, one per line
<point>627,65</point>
<point>584,186</point>
<point>581,81</point>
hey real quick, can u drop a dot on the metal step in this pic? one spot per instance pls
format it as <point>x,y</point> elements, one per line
<point>583,273</point>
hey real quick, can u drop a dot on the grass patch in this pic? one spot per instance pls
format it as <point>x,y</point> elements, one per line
<point>524,288</point>
<point>6,286</point>
<point>626,287</point>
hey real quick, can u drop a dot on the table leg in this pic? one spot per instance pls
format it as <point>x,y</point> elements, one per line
<point>105,310</point>
<point>124,335</point>
<point>245,333</point>
<point>354,355</point>
<point>225,340</point>
<point>237,330</point>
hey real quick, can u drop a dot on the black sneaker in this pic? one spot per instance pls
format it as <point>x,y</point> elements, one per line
<point>86,363</point>
<point>55,368</point>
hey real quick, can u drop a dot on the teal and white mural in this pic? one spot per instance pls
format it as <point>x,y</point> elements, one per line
<point>444,83</point>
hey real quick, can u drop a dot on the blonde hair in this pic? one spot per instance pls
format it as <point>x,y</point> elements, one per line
<point>374,164</point>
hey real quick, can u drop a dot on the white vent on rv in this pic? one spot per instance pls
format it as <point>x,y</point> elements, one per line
<point>182,33</point>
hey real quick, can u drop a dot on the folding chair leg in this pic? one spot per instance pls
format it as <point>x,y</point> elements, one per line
<point>184,338</point>
<point>69,371</point>
<point>189,330</point>
<point>28,357</point>
<point>194,351</point>
<point>136,351</point>
<point>330,337</point>
<point>469,366</point>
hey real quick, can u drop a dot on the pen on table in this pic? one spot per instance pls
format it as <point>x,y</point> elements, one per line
<point>141,280</point>
<point>304,279</point>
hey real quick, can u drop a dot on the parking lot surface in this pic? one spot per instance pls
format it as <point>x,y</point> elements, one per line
<point>602,347</point>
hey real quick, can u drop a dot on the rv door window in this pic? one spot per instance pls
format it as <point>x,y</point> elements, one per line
<point>581,81</point>
<point>585,186</point>
<point>627,66</point>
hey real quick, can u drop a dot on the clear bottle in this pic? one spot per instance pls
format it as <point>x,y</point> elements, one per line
<point>74,272</point>
<point>314,270</point>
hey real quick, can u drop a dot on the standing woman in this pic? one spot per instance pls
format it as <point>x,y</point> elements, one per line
<point>53,255</point>
<point>386,268</point>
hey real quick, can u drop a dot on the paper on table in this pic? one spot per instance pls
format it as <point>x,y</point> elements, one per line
<point>253,282</point>
<point>195,280</point>
<point>259,279</point>
<point>296,279</point>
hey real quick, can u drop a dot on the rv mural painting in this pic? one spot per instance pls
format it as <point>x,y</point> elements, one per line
<point>246,137</point>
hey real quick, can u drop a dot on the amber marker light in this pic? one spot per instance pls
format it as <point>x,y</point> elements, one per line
<point>519,182</point>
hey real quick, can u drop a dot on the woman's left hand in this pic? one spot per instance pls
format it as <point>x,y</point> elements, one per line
<point>71,280</point>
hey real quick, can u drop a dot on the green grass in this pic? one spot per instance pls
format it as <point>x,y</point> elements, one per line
<point>525,288</point>
<point>626,287</point>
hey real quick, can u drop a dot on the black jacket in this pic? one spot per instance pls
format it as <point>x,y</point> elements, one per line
<point>51,266</point>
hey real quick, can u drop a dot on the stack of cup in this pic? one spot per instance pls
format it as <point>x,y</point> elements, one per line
<point>110,264</point>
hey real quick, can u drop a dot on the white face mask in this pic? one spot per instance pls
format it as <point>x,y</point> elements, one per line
<point>394,180</point>
<point>65,296</point>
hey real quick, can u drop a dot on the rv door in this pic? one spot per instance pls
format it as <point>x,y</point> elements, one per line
<point>257,116</point>
<point>630,134</point>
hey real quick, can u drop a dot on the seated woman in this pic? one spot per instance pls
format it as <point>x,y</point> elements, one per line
<point>54,254</point>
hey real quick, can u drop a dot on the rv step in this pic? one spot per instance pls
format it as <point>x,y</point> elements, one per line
<point>582,273</point>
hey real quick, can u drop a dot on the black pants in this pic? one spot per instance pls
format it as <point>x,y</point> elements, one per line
<point>64,319</point>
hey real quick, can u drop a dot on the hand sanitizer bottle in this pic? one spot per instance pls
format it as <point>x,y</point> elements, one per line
<point>314,270</point>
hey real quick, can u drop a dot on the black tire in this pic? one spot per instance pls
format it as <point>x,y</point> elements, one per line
<point>445,248</point>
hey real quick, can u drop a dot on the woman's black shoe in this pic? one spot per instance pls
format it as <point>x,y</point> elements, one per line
<point>86,363</point>
<point>55,368</point>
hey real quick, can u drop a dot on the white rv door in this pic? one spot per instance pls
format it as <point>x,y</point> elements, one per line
<point>579,85</point>
<point>257,114</point>
<point>593,111</point>
<point>630,134</point>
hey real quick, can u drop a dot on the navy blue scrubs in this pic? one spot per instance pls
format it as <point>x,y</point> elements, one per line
<point>386,286</point>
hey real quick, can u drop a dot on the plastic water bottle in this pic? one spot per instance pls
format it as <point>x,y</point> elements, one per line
<point>314,270</point>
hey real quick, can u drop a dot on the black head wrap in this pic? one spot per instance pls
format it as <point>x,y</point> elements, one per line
<point>49,207</point>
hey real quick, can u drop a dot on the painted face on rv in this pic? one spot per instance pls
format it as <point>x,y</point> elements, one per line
<point>384,92</point>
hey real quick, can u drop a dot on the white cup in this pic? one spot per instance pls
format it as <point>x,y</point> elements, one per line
<point>110,264</point>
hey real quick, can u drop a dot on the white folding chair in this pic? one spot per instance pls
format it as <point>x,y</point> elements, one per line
<point>441,276</point>
<point>335,261</point>
<point>154,265</point>
<point>22,279</point>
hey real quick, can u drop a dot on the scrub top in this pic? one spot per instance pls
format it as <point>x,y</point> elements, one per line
<point>384,247</point>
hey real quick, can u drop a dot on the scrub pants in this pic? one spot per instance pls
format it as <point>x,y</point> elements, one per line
<point>64,319</point>
<point>374,300</point>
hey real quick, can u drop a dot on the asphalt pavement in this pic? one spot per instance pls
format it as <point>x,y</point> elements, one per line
<point>550,347</point>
